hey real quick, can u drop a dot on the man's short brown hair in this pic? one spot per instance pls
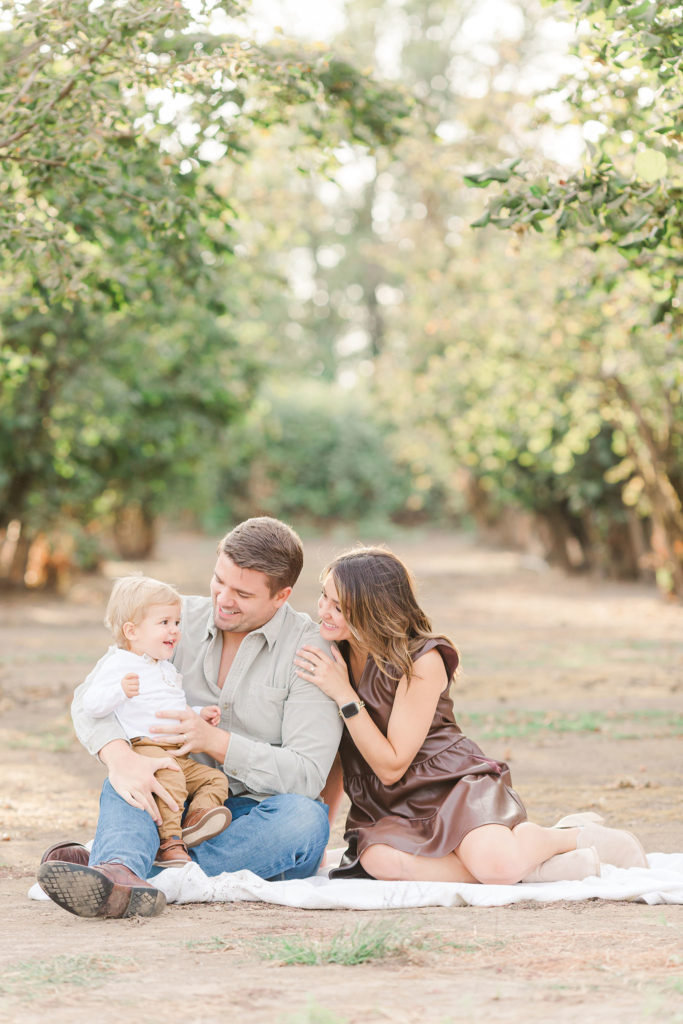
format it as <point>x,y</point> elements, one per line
<point>268,546</point>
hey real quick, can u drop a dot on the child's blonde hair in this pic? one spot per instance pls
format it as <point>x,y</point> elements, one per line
<point>130,598</point>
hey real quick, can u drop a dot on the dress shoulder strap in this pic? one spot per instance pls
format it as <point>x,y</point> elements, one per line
<point>446,650</point>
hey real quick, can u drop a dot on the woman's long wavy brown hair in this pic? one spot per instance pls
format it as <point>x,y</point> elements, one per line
<point>378,600</point>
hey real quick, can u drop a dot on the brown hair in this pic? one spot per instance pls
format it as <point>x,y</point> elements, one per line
<point>378,600</point>
<point>268,546</point>
<point>130,598</point>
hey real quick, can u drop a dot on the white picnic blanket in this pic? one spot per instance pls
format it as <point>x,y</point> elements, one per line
<point>661,882</point>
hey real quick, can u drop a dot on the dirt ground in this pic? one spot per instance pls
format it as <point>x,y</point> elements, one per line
<point>577,683</point>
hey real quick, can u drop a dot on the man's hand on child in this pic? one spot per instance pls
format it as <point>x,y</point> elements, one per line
<point>194,733</point>
<point>130,684</point>
<point>133,777</point>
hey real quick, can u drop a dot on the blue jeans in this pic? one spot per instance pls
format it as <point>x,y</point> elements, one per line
<point>283,836</point>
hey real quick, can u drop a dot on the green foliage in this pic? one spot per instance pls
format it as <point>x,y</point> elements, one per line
<point>111,110</point>
<point>120,364</point>
<point>202,239</point>
<point>628,200</point>
<point>117,408</point>
<point>309,451</point>
<point>630,192</point>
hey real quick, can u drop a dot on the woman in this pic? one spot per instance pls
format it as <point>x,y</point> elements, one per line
<point>426,803</point>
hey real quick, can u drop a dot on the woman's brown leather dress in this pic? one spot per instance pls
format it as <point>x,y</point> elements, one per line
<point>450,788</point>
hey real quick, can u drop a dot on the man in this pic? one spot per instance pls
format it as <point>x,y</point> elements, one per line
<point>276,741</point>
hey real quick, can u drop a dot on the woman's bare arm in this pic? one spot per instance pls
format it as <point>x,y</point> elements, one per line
<point>411,716</point>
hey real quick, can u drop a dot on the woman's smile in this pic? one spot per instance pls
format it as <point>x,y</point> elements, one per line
<point>333,625</point>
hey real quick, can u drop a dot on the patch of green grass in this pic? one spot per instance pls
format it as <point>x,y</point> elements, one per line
<point>661,1000</point>
<point>41,657</point>
<point>653,713</point>
<point>470,947</point>
<point>587,655</point>
<point>365,943</point>
<point>33,979</point>
<point>313,1014</point>
<point>652,645</point>
<point>368,942</point>
<point>55,741</point>
<point>508,724</point>
<point>214,944</point>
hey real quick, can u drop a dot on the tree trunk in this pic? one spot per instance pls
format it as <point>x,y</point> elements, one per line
<point>650,456</point>
<point>561,537</point>
<point>134,531</point>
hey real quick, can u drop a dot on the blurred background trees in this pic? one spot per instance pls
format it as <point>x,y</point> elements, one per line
<point>245,276</point>
<point>625,204</point>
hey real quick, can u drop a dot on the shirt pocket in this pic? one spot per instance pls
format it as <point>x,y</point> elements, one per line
<point>266,711</point>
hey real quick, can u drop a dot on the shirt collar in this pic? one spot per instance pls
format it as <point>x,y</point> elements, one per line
<point>269,630</point>
<point>145,657</point>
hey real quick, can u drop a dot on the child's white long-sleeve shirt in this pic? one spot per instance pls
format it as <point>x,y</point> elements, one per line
<point>161,689</point>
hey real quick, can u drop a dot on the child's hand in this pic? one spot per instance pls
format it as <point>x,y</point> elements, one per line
<point>211,714</point>
<point>130,684</point>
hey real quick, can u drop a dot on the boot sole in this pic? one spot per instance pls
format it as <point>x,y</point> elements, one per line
<point>86,892</point>
<point>212,824</point>
<point>176,863</point>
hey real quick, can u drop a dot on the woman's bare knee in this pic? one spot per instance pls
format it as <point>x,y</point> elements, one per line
<point>383,862</point>
<point>490,853</point>
<point>497,874</point>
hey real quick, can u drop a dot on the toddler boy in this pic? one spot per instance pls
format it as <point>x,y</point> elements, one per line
<point>134,680</point>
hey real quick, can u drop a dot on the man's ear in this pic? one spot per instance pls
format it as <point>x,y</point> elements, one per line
<point>282,596</point>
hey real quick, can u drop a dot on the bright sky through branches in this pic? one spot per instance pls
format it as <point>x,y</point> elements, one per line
<point>490,21</point>
<point>311,20</point>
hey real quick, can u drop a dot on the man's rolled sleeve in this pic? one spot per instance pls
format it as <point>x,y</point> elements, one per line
<point>93,733</point>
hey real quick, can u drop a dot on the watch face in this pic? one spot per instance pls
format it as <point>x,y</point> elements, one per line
<point>349,710</point>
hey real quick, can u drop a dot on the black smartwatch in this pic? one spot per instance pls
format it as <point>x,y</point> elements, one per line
<point>351,709</point>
